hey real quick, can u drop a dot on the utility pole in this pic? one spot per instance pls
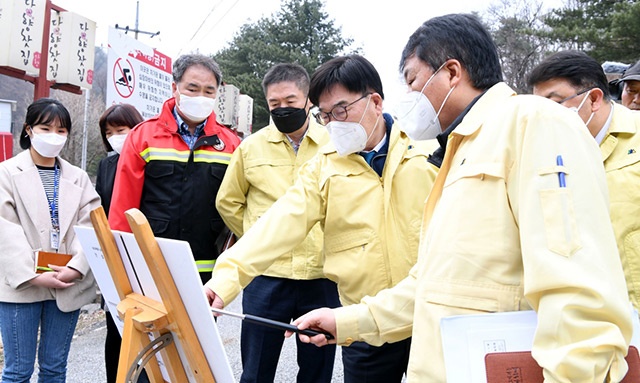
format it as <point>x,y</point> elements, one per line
<point>137,30</point>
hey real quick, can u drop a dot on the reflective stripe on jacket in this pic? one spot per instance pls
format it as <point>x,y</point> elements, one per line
<point>205,265</point>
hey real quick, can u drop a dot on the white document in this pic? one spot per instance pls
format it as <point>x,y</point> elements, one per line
<point>186,278</point>
<point>466,339</point>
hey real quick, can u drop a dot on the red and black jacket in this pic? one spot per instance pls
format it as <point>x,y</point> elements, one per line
<point>173,186</point>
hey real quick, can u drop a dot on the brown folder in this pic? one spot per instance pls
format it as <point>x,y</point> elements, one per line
<point>520,367</point>
<point>46,258</point>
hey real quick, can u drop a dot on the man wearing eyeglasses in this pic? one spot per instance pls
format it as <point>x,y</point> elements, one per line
<point>507,226</point>
<point>366,189</point>
<point>577,81</point>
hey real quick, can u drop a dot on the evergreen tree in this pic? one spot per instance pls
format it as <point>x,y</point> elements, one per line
<point>300,32</point>
<point>605,29</point>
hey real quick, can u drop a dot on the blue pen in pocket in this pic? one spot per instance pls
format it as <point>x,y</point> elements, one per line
<point>561,174</point>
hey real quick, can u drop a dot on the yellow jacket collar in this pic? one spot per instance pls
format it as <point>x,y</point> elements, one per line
<point>486,104</point>
<point>620,123</point>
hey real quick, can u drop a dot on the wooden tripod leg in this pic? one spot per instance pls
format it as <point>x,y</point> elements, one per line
<point>131,344</point>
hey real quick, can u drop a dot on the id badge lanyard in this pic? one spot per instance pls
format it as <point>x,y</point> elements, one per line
<point>53,209</point>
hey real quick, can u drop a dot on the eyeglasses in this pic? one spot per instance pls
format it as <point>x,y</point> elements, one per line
<point>574,96</point>
<point>338,112</point>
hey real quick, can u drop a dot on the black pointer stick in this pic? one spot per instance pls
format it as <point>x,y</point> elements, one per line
<point>272,323</point>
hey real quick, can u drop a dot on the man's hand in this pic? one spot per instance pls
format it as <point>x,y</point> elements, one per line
<point>214,300</point>
<point>320,319</point>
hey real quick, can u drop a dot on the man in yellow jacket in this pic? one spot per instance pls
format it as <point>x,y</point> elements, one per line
<point>262,168</point>
<point>517,220</point>
<point>370,210</point>
<point>577,81</point>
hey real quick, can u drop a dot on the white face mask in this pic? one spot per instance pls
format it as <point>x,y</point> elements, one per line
<point>196,109</point>
<point>417,116</point>
<point>117,142</point>
<point>349,137</point>
<point>577,110</point>
<point>48,145</point>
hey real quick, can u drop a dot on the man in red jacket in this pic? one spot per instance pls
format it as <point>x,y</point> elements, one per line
<point>171,165</point>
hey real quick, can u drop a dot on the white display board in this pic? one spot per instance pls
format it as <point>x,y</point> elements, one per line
<point>185,276</point>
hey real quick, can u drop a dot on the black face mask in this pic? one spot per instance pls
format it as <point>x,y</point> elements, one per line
<point>289,119</point>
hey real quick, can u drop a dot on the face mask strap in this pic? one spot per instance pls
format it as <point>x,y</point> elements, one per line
<point>305,107</point>
<point>445,101</point>
<point>364,111</point>
<point>431,78</point>
<point>583,100</point>
<point>372,130</point>
<point>590,118</point>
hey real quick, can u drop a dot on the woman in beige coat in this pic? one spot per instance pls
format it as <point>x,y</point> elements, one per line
<point>41,198</point>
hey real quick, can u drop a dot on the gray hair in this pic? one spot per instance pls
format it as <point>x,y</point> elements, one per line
<point>286,72</point>
<point>184,62</point>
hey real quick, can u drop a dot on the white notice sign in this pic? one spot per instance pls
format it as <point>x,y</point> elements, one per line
<point>137,75</point>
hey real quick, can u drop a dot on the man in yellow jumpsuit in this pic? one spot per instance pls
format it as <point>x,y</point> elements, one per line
<point>370,210</point>
<point>517,219</point>
<point>261,170</point>
<point>577,81</point>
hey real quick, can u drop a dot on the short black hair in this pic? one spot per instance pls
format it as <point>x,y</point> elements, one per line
<point>287,72</point>
<point>461,37</point>
<point>354,72</point>
<point>577,68</point>
<point>44,111</point>
<point>185,62</point>
<point>118,115</point>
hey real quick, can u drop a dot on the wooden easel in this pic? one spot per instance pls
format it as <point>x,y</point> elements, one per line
<point>143,315</point>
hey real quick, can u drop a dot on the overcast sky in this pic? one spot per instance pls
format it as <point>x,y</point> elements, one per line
<point>380,30</point>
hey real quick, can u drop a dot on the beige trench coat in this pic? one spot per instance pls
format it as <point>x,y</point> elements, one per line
<point>25,226</point>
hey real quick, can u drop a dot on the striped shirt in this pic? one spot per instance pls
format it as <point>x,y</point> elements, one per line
<point>47,175</point>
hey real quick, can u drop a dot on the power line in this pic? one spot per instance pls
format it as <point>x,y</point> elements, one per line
<point>222,17</point>
<point>201,24</point>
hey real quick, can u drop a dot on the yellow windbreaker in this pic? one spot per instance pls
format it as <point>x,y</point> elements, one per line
<point>501,234</point>
<point>262,168</point>
<point>621,155</point>
<point>371,224</point>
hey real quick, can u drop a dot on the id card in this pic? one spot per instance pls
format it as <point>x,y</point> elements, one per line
<point>55,239</point>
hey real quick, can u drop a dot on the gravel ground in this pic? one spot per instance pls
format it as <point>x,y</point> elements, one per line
<point>86,357</point>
